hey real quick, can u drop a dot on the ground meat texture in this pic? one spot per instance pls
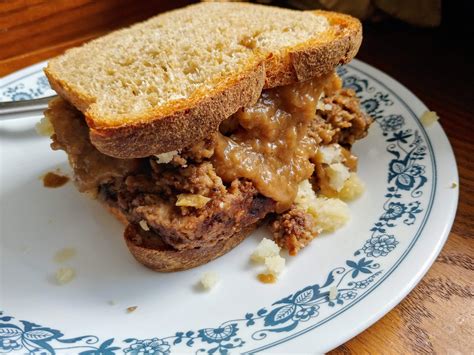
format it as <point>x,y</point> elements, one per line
<point>293,230</point>
<point>344,122</point>
<point>241,205</point>
<point>194,179</point>
<point>200,151</point>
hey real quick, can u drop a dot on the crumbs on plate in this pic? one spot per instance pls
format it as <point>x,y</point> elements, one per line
<point>64,255</point>
<point>428,118</point>
<point>54,179</point>
<point>209,280</point>
<point>65,275</point>
<point>131,309</point>
<point>268,253</point>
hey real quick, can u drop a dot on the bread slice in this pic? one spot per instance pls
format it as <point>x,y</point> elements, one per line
<point>168,82</point>
<point>150,251</point>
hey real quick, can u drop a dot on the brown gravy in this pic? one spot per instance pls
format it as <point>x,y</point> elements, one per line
<point>53,180</point>
<point>267,278</point>
<point>272,145</point>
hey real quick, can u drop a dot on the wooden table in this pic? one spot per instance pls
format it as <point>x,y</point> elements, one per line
<point>437,316</point>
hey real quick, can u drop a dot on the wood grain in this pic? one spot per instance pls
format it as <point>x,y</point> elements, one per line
<point>34,30</point>
<point>437,316</point>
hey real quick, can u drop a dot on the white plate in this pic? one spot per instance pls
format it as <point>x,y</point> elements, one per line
<point>397,229</point>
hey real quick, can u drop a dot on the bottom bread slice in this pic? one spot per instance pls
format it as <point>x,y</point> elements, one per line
<point>150,251</point>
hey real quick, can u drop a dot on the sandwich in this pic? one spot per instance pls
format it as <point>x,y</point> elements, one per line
<point>198,125</point>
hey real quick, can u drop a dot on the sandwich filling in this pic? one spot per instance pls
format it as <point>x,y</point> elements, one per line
<point>252,167</point>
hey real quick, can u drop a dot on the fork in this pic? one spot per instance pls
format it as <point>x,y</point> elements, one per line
<point>25,108</point>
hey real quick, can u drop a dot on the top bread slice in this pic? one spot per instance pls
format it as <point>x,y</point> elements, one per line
<point>168,82</point>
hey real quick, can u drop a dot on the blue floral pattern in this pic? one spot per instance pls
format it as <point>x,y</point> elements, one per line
<point>18,91</point>
<point>406,180</point>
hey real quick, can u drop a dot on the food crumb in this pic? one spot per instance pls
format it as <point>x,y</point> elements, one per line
<point>65,275</point>
<point>275,264</point>
<point>192,200</point>
<point>209,280</point>
<point>428,118</point>
<point>53,180</point>
<point>265,248</point>
<point>144,225</point>
<point>267,278</point>
<point>44,127</point>
<point>131,309</point>
<point>64,255</point>
<point>454,185</point>
<point>167,157</point>
<point>333,293</point>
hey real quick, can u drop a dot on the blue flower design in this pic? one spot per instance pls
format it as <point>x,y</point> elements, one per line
<point>152,346</point>
<point>370,105</point>
<point>395,210</point>
<point>42,83</point>
<point>380,245</point>
<point>362,266</point>
<point>305,314</point>
<point>405,176</point>
<point>8,344</point>
<point>400,136</point>
<point>19,96</point>
<point>218,335</point>
<point>348,295</point>
<point>392,123</point>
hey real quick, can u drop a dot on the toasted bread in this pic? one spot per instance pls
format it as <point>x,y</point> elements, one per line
<point>147,249</point>
<point>168,82</point>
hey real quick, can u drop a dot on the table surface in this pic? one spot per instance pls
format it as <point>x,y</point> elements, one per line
<point>438,315</point>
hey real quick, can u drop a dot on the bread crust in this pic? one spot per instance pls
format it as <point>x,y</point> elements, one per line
<point>147,250</point>
<point>167,131</point>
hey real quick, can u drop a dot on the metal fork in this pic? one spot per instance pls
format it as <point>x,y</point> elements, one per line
<point>24,108</point>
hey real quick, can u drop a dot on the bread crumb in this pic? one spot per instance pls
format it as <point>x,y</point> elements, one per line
<point>209,280</point>
<point>333,293</point>
<point>165,158</point>
<point>352,189</point>
<point>221,204</point>
<point>64,255</point>
<point>65,275</point>
<point>338,173</point>
<point>329,213</point>
<point>454,185</point>
<point>44,127</point>
<point>275,264</point>
<point>192,200</point>
<point>320,104</point>
<point>144,225</point>
<point>428,118</point>
<point>266,248</point>
<point>329,154</point>
<point>131,309</point>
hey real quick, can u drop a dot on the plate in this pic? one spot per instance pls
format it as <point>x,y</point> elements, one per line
<point>397,229</point>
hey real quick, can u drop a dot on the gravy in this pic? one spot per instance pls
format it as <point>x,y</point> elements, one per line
<point>272,145</point>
